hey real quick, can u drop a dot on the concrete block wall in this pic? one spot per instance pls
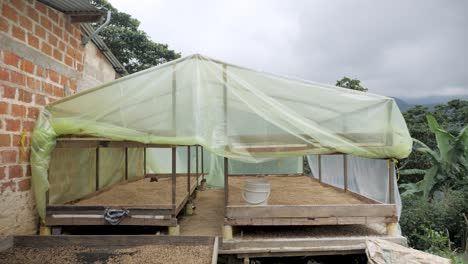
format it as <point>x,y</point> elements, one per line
<point>41,60</point>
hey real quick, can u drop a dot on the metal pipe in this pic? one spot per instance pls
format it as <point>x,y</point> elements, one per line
<point>85,40</point>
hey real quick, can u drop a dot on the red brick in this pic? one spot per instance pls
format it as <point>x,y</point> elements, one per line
<point>33,41</point>
<point>27,66</point>
<point>18,4</point>
<point>40,31</point>
<point>19,33</point>
<point>52,39</point>
<point>33,14</point>
<point>28,171</point>
<point>33,112</point>
<point>5,140</point>
<point>8,156</point>
<point>68,61</point>
<point>51,100</point>
<point>58,91</point>
<point>63,80</point>
<point>58,31</point>
<point>39,99</point>
<point>11,59</point>
<point>2,173</point>
<point>41,72</point>
<point>58,55</point>
<point>24,96</point>
<point>55,77</point>
<point>61,46</point>
<point>15,171</point>
<point>53,15</point>
<point>12,125</point>
<point>47,88</point>
<point>41,7</point>
<point>79,67</point>
<point>28,125</point>
<point>8,185</point>
<point>3,108</point>
<point>24,185</point>
<point>8,92</point>
<point>73,84</point>
<point>33,83</point>
<point>3,24</point>
<point>9,12</point>
<point>4,74</point>
<point>18,110</point>
<point>46,48</point>
<point>26,23</point>
<point>45,22</point>
<point>17,141</point>
<point>18,78</point>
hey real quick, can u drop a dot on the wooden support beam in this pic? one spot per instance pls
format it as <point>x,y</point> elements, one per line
<point>226,183</point>
<point>97,169</point>
<point>144,161</point>
<point>391,182</point>
<point>126,164</point>
<point>320,167</point>
<point>202,164</point>
<point>174,179</point>
<point>188,169</point>
<point>196,165</point>
<point>345,172</point>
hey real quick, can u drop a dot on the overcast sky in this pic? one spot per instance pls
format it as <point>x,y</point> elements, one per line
<point>396,48</point>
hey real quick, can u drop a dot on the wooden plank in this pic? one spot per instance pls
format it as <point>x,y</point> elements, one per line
<point>144,162</point>
<point>174,179</point>
<point>188,169</point>
<point>214,257</point>
<point>109,241</point>
<point>310,211</point>
<point>226,184</point>
<point>317,244</point>
<point>300,252</point>
<point>297,221</point>
<point>97,169</point>
<point>100,210</point>
<point>202,164</point>
<point>105,143</point>
<point>99,220</point>
<point>186,198</point>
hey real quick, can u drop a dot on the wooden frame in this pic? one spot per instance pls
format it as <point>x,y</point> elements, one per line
<point>337,214</point>
<point>155,215</point>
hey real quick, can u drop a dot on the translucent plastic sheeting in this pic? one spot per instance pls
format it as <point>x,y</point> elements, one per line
<point>367,177</point>
<point>231,111</point>
<point>73,171</point>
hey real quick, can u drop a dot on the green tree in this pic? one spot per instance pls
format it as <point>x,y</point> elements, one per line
<point>449,163</point>
<point>132,46</point>
<point>353,84</point>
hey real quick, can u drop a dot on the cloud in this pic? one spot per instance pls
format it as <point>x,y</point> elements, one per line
<point>397,48</point>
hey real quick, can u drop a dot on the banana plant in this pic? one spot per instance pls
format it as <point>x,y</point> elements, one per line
<point>449,168</point>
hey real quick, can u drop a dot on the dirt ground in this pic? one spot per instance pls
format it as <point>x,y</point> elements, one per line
<point>208,216</point>
<point>141,192</point>
<point>292,190</point>
<point>159,254</point>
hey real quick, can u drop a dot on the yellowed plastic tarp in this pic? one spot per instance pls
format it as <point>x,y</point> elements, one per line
<point>231,111</point>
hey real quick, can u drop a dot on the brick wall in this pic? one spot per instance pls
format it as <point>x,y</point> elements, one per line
<point>41,60</point>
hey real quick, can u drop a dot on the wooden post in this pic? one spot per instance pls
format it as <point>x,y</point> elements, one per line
<point>320,167</point>
<point>97,168</point>
<point>144,162</point>
<point>202,164</point>
<point>126,164</point>
<point>174,100</point>
<point>174,181</point>
<point>391,183</point>
<point>345,172</point>
<point>188,169</point>
<point>196,165</point>
<point>226,183</point>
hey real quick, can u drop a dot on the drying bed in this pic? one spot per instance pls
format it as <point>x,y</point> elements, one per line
<point>108,249</point>
<point>148,203</point>
<point>302,200</point>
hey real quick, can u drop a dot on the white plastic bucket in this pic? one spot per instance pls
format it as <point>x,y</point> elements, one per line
<point>256,192</point>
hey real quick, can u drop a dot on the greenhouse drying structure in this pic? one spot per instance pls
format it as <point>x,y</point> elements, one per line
<point>109,136</point>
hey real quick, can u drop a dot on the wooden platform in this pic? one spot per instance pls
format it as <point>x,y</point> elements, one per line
<point>302,241</point>
<point>302,200</point>
<point>109,249</point>
<point>149,203</point>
